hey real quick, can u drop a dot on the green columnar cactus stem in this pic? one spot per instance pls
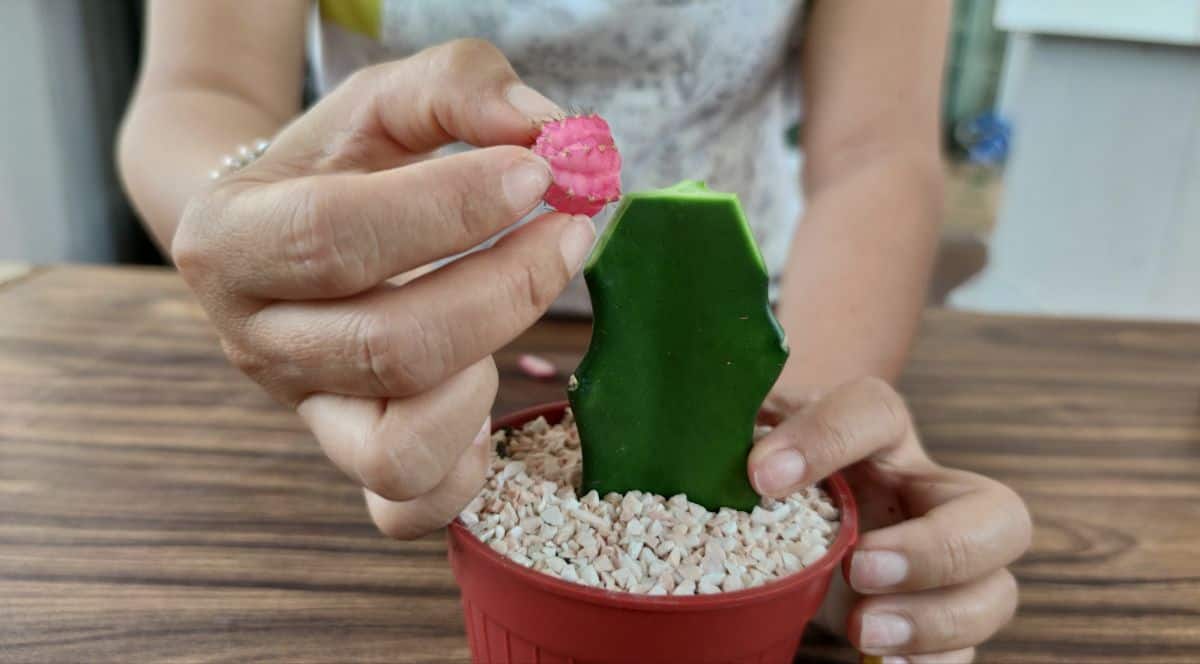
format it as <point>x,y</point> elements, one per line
<point>684,349</point>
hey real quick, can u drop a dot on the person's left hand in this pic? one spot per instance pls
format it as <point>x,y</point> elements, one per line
<point>928,578</point>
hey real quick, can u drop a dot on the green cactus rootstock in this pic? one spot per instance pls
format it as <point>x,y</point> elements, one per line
<point>684,349</point>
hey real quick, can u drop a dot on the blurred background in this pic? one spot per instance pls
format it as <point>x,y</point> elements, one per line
<point>1072,134</point>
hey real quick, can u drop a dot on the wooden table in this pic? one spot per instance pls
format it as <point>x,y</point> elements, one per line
<point>156,507</point>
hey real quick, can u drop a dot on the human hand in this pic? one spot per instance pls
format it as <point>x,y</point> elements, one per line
<point>927,578</point>
<point>290,258</point>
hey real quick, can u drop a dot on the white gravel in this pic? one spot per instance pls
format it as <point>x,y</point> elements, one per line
<point>637,542</point>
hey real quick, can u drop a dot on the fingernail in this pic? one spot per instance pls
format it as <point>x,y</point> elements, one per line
<point>485,433</point>
<point>884,630</point>
<point>576,242</point>
<point>779,472</point>
<point>531,102</point>
<point>876,570</point>
<point>525,182</point>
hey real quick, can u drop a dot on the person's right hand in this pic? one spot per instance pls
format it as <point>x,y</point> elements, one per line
<point>290,257</point>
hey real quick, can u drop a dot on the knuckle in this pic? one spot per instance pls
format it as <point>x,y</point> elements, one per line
<point>956,553</point>
<point>315,248</point>
<point>943,623</point>
<point>467,53</point>
<point>191,247</point>
<point>532,287</point>
<point>462,206</point>
<point>471,73</point>
<point>402,468</point>
<point>471,202</point>
<point>366,78</point>
<point>835,441</point>
<point>884,400</point>
<point>402,369</point>
<point>189,252</point>
<point>389,365</point>
<point>309,243</point>
<point>245,360</point>
<point>273,369</point>
<point>308,240</point>
<point>417,468</point>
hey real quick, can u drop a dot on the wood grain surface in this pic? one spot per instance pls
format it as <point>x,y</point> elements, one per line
<point>156,507</point>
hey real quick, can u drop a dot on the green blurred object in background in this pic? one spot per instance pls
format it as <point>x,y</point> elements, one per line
<point>975,55</point>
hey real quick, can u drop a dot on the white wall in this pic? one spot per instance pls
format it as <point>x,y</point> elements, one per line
<point>1101,208</point>
<point>1157,21</point>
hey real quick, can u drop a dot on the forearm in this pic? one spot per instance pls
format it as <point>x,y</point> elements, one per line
<point>856,278</point>
<point>215,74</point>
<point>172,138</point>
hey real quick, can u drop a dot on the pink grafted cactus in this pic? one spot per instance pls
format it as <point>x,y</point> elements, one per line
<point>584,161</point>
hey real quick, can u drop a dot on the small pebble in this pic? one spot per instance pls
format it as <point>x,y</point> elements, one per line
<point>536,366</point>
<point>637,542</point>
<point>553,516</point>
<point>685,588</point>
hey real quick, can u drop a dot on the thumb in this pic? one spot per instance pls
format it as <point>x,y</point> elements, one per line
<point>388,114</point>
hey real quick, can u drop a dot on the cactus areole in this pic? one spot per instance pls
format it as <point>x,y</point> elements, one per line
<point>684,349</point>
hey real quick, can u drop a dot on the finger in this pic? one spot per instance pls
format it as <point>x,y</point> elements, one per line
<point>403,448</point>
<point>780,404</point>
<point>401,341</point>
<point>336,235</point>
<point>851,423</point>
<point>416,517</point>
<point>976,526</point>
<point>934,621</point>
<point>386,114</point>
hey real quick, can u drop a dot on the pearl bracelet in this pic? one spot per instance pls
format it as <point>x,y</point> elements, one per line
<point>244,156</point>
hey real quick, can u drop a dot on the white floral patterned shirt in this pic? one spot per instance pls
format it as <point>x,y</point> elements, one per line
<point>693,89</point>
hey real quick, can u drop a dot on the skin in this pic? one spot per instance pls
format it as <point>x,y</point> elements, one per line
<point>929,570</point>
<point>295,257</point>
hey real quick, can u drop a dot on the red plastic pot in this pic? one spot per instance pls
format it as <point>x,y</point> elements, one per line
<point>514,614</point>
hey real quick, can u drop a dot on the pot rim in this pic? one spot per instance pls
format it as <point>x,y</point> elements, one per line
<point>847,535</point>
